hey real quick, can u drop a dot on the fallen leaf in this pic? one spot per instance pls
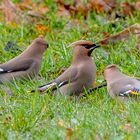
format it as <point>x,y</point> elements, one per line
<point>42,29</point>
<point>81,8</point>
<point>63,9</point>
<point>69,134</point>
<point>102,5</point>
<point>123,35</point>
<point>63,12</point>
<point>11,12</point>
<point>127,8</point>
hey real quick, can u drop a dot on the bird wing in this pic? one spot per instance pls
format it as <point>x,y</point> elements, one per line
<point>130,92</point>
<point>68,76</point>
<point>129,87</point>
<point>134,90</point>
<point>20,65</point>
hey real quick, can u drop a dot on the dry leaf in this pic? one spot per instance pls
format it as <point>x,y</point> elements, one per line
<point>102,5</point>
<point>127,8</point>
<point>14,13</point>
<point>123,35</point>
<point>77,8</point>
<point>81,8</point>
<point>42,29</point>
<point>63,9</point>
<point>69,130</point>
<point>69,134</point>
<point>11,12</point>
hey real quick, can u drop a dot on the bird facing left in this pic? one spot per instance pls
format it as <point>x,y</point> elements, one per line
<point>27,64</point>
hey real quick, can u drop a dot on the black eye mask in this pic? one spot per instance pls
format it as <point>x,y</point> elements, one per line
<point>93,46</point>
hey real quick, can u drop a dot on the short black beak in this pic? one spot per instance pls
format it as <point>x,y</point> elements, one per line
<point>94,46</point>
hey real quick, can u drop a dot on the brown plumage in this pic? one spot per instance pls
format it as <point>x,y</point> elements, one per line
<point>119,84</point>
<point>27,64</point>
<point>80,75</point>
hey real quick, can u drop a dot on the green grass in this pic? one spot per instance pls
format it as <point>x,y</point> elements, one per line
<point>97,116</point>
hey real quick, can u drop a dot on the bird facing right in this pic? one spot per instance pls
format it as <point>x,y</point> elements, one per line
<point>80,75</point>
<point>119,84</point>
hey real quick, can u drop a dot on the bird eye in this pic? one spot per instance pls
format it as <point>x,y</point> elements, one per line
<point>93,46</point>
<point>87,46</point>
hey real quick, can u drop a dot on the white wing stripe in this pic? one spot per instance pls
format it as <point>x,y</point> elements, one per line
<point>1,70</point>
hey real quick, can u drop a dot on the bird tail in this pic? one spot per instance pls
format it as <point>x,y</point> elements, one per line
<point>49,87</point>
<point>45,88</point>
<point>97,87</point>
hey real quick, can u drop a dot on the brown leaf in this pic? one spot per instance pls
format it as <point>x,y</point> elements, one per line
<point>42,29</point>
<point>81,8</point>
<point>63,9</point>
<point>102,5</point>
<point>78,7</point>
<point>11,12</point>
<point>69,134</point>
<point>123,35</point>
<point>63,124</point>
<point>127,8</point>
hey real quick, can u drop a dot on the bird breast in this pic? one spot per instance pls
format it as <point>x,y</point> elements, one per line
<point>87,73</point>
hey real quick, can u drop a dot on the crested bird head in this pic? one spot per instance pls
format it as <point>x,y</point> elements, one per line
<point>109,70</point>
<point>83,47</point>
<point>40,43</point>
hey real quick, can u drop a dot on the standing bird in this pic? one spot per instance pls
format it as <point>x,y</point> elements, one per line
<point>119,84</point>
<point>27,64</point>
<point>80,75</point>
